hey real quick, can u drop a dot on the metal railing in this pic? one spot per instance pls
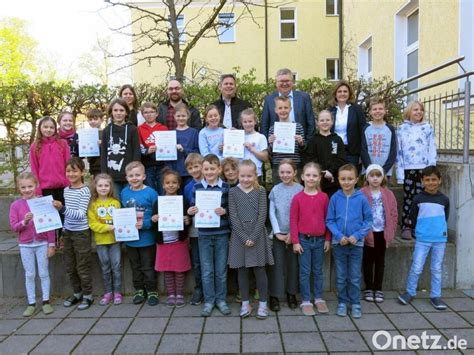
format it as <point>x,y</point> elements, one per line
<point>449,112</point>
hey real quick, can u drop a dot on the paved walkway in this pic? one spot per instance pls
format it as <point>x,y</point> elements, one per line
<point>131,329</point>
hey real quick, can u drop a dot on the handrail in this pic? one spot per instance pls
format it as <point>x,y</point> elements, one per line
<point>437,83</point>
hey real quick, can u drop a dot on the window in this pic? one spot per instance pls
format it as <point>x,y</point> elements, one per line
<point>332,8</point>
<point>180,26</point>
<point>295,76</point>
<point>226,29</point>
<point>287,24</point>
<point>412,48</point>
<point>332,69</point>
<point>365,59</point>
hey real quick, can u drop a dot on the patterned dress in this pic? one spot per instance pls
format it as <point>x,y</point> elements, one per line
<point>248,212</point>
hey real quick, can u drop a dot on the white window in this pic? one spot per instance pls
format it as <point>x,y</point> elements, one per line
<point>364,68</point>
<point>332,8</point>
<point>287,24</point>
<point>226,29</point>
<point>412,45</point>
<point>332,69</point>
<point>181,29</point>
<point>295,76</point>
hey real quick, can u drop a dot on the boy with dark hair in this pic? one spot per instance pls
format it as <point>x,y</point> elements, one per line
<point>429,216</point>
<point>95,118</point>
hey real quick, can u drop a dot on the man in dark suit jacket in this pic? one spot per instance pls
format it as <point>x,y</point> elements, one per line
<point>166,109</point>
<point>301,105</point>
<point>229,105</point>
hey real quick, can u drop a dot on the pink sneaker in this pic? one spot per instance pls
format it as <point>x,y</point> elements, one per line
<point>106,299</point>
<point>118,298</point>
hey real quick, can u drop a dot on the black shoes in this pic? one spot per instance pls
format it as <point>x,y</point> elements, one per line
<point>292,303</point>
<point>274,304</point>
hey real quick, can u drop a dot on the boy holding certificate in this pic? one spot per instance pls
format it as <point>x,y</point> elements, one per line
<point>213,241</point>
<point>283,109</point>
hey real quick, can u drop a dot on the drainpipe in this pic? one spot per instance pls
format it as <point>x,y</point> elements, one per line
<point>341,39</point>
<point>266,42</point>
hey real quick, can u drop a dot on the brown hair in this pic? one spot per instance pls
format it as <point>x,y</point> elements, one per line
<point>248,112</point>
<point>338,85</point>
<point>130,87</point>
<point>76,163</point>
<point>121,102</point>
<point>182,107</point>
<point>94,182</point>
<point>193,158</point>
<point>376,173</point>
<point>134,164</point>
<point>376,101</point>
<point>290,163</point>
<point>282,99</point>
<point>95,112</point>
<point>168,171</point>
<point>212,159</point>
<point>148,105</point>
<point>250,163</point>
<point>64,113</point>
<point>39,135</point>
<point>225,76</point>
<point>210,108</point>
<point>349,167</point>
<point>409,108</point>
<point>233,162</point>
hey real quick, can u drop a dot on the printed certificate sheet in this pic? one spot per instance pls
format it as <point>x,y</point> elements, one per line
<point>207,202</point>
<point>170,211</point>
<point>88,142</point>
<point>284,137</point>
<point>45,216</point>
<point>165,142</point>
<point>234,143</point>
<point>124,220</point>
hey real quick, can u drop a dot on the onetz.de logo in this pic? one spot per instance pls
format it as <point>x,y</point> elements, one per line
<point>383,340</point>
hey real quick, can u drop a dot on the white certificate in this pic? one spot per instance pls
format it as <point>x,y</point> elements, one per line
<point>234,143</point>
<point>207,202</point>
<point>170,210</point>
<point>124,220</point>
<point>88,142</point>
<point>284,133</point>
<point>165,142</point>
<point>45,216</point>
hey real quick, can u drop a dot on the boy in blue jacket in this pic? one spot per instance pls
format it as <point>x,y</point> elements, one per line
<point>141,252</point>
<point>349,219</point>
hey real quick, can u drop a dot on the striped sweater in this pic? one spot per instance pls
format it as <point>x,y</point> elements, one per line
<point>75,208</point>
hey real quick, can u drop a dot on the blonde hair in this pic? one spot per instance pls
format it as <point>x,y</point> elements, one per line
<point>327,112</point>
<point>134,164</point>
<point>290,163</point>
<point>182,107</point>
<point>26,176</point>
<point>251,164</point>
<point>313,165</point>
<point>94,182</point>
<point>376,173</point>
<point>409,108</point>
<point>193,158</point>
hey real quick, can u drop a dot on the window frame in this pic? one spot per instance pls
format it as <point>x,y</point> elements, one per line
<point>336,8</point>
<point>336,69</point>
<point>181,29</point>
<point>294,21</point>
<point>365,57</point>
<point>231,28</point>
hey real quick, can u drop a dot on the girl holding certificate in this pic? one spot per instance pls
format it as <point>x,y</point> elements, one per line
<point>35,248</point>
<point>172,256</point>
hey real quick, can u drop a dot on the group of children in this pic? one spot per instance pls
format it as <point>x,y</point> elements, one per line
<point>326,211</point>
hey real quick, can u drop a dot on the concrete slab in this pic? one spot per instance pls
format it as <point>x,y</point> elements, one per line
<point>344,341</point>
<point>409,321</point>
<point>75,326</point>
<point>297,324</point>
<point>185,325</point>
<point>38,326</point>
<point>57,344</point>
<point>393,306</point>
<point>261,343</point>
<point>111,326</point>
<point>334,323</point>
<point>187,311</point>
<point>221,325</point>
<point>220,344</point>
<point>373,322</point>
<point>465,333</point>
<point>97,344</point>
<point>254,325</point>
<point>460,304</point>
<point>299,342</point>
<point>446,320</point>
<point>59,312</point>
<point>173,343</point>
<point>159,310</point>
<point>468,316</point>
<point>373,342</point>
<point>138,344</point>
<point>95,311</point>
<point>8,326</point>
<point>122,311</point>
<point>148,326</point>
<point>19,344</point>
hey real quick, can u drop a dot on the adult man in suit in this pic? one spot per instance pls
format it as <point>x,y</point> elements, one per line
<point>229,105</point>
<point>301,105</point>
<point>166,109</point>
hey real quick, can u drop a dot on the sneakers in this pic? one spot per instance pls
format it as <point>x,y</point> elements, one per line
<point>356,311</point>
<point>379,297</point>
<point>207,309</point>
<point>85,303</point>
<point>180,303</point>
<point>245,310</point>
<point>106,299</point>
<point>262,312</point>
<point>118,298</point>
<point>224,308</point>
<point>47,308</point>
<point>196,298</point>
<point>405,298</point>
<point>71,301</point>
<point>29,311</point>
<point>369,296</point>
<point>438,303</point>
<point>321,306</point>
<point>406,234</point>
<point>171,301</point>
<point>153,299</point>
<point>341,310</point>
<point>307,309</point>
<point>139,297</point>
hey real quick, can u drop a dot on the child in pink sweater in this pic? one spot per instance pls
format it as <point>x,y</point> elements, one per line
<point>310,237</point>
<point>35,248</point>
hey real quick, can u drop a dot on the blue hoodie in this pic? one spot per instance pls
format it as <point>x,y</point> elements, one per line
<point>349,215</point>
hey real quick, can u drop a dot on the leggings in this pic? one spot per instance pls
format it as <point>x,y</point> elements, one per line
<point>261,279</point>
<point>30,256</point>
<point>411,187</point>
<point>174,283</point>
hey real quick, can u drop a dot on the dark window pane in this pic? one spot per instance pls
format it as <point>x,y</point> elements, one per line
<point>331,7</point>
<point>287,30</point>
<point>287,14</point>
<point>412,28</point>
<point>330,69</point>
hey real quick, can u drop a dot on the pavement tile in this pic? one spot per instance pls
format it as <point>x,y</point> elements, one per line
<point>38,326</point>
<point>222,325</point>
<point>57,344</point>
<point>297,324</point>
<point>15,312</point>
<point>391,294</point>
<point>344,341</point>
<point>466,334</point>
<point>460,304</point>
<point>159,310</point>
<point>234,307</point>
<point>285,311</point>
<point>302,342</point>
<point>370,307</point>
<point>187,311</point>
<point>420,332</point>
<point>111,326</point>
<point>373,322</point>
<point>59,312</point>
<point>94,311</point>
<point>254,325</point>
<point>453,293</point>
<point>409,321</point>
<point>404,352</point>
<point>381,340</point>
<point>184,325</point>
<point>469,316</point>
<point>147,326</point>
<point>97,344</point>
<point>334,323</point>
<point>423,306</point>
<point>220,344</point>
<point>261,343</point>
<point>393,306</point>
<point>445,319</point>
<point>74,326</point>
<point>19,344</point>
<point>438,352</point>
<point>7,326</point>
<point>174,343</point>
<point>138,344</point>
<point>122,311</point>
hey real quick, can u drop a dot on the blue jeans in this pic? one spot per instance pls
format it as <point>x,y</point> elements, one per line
<point>196,264</point>
<point>213,252</point>
<point>348,261</point>
<point>420,253</point>
<point>312,259</point>
<point>153,177</point>
<point>109,256</point>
